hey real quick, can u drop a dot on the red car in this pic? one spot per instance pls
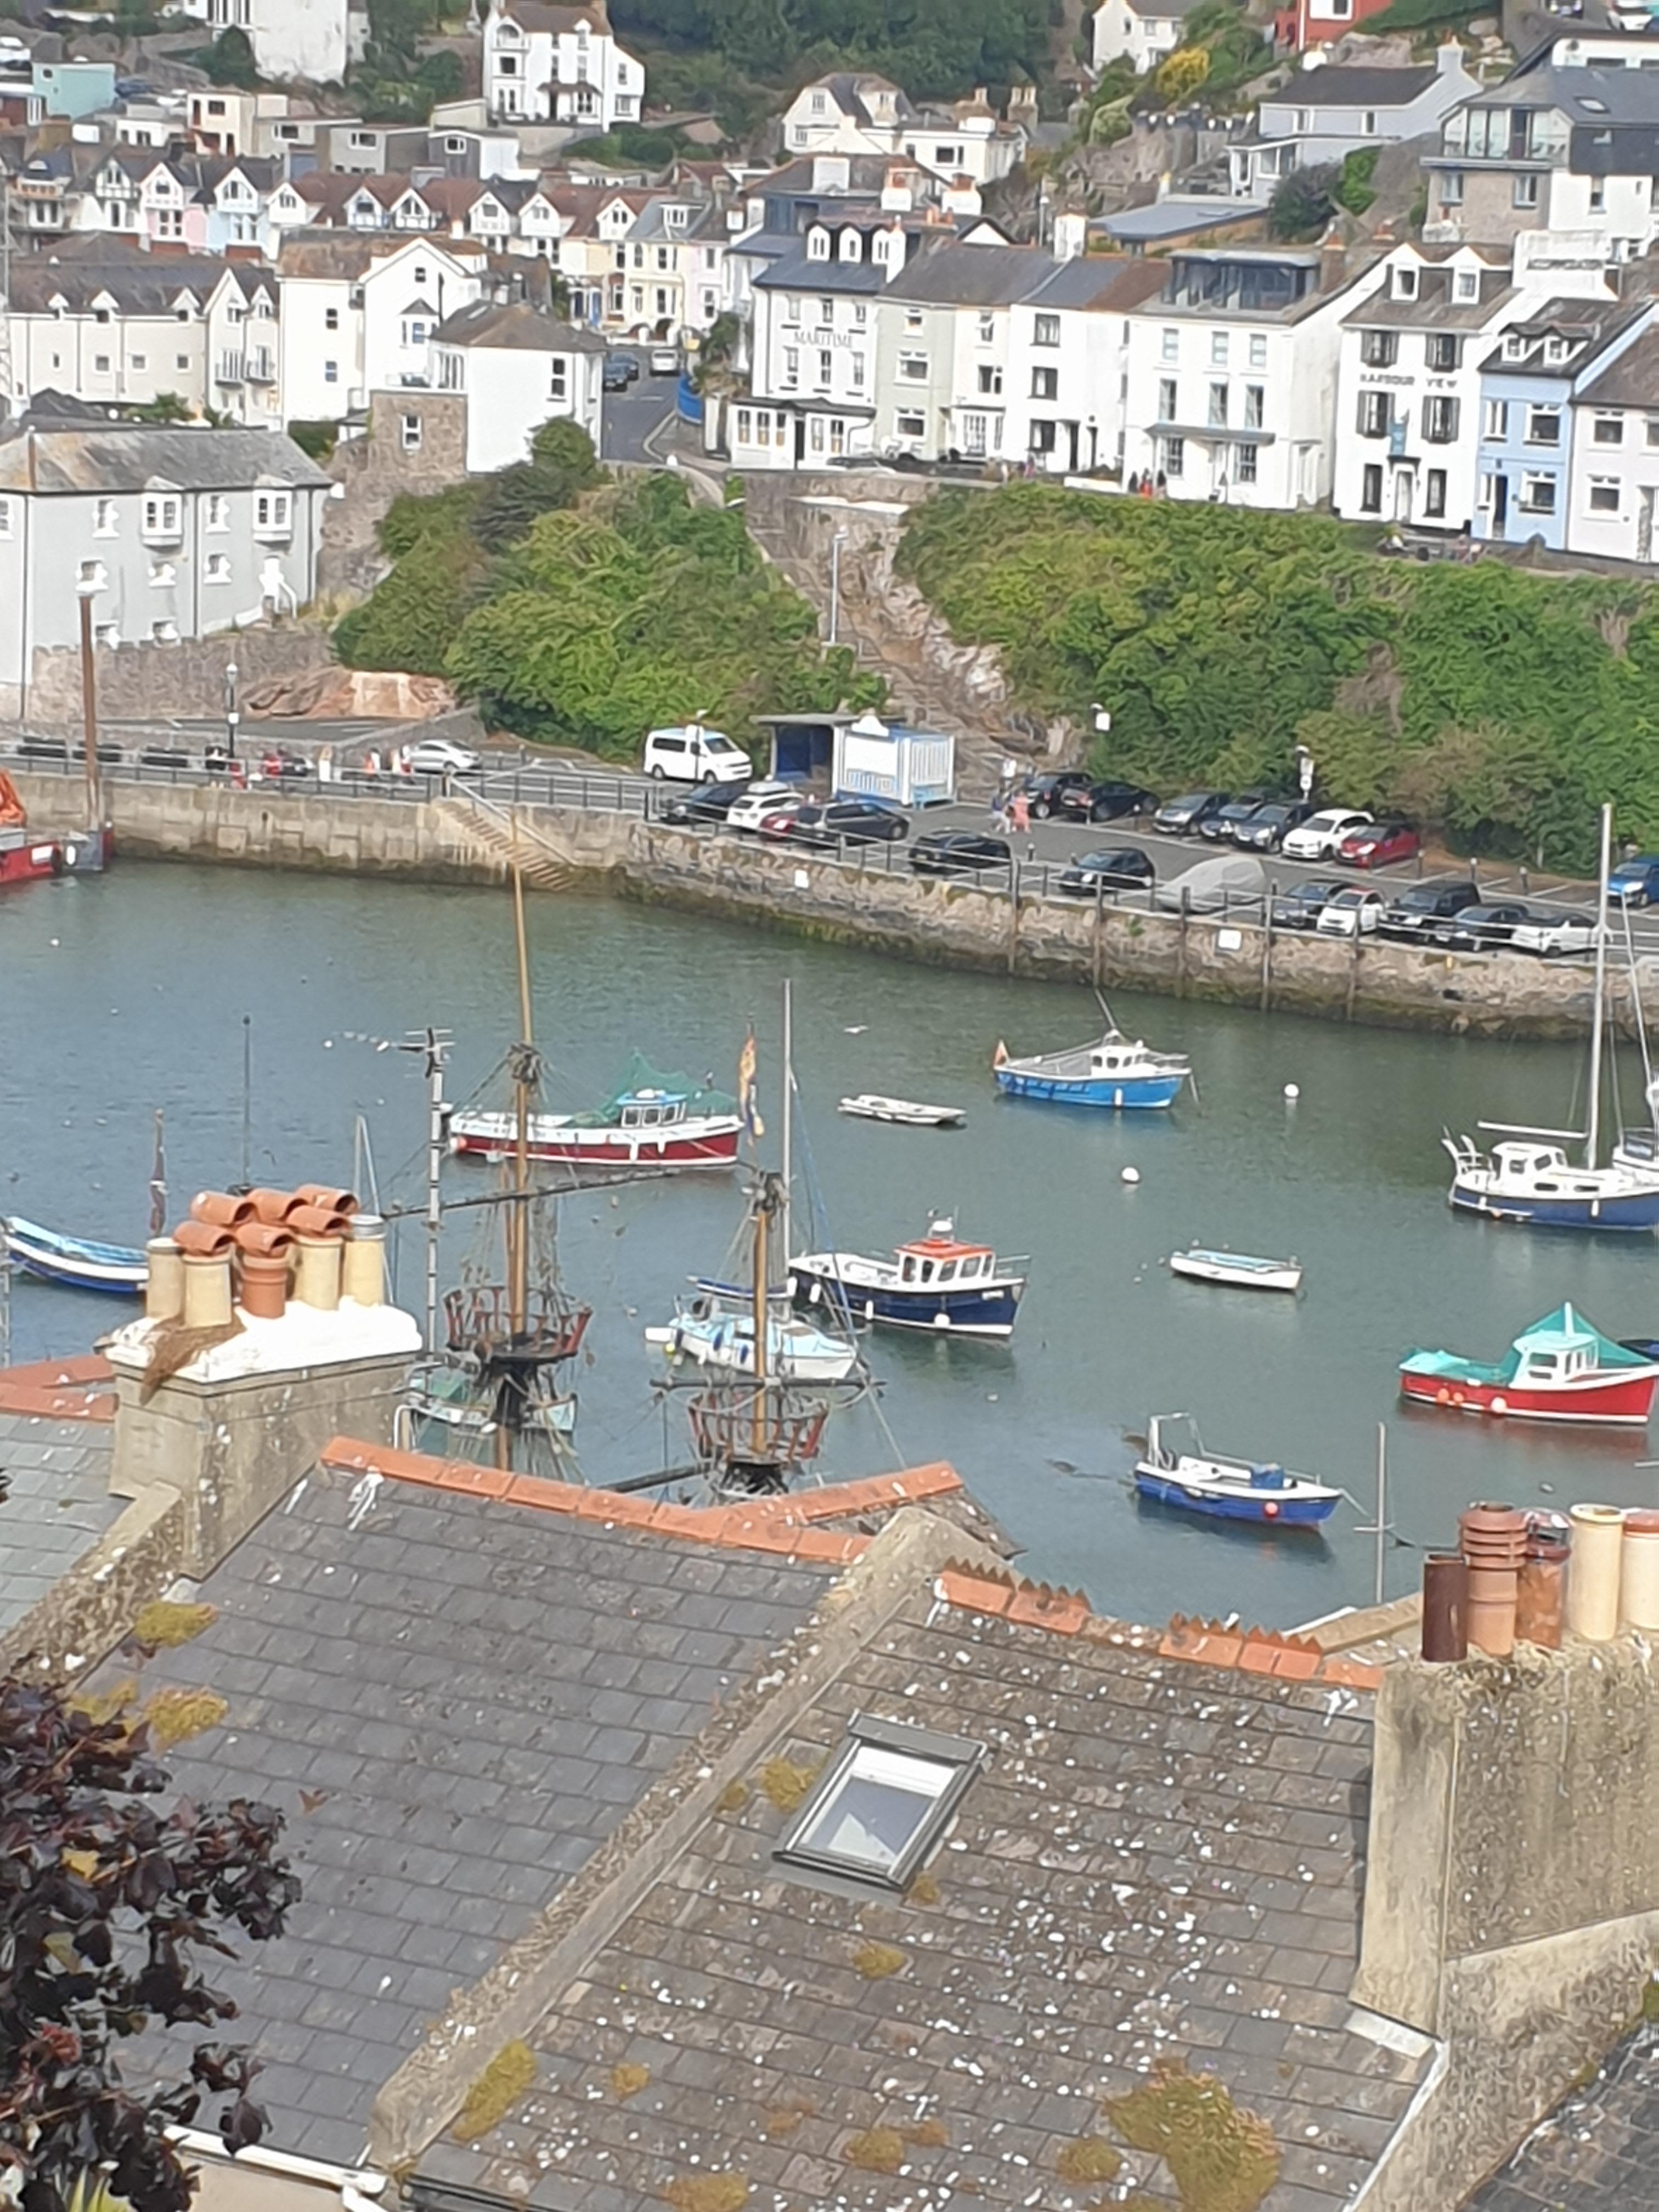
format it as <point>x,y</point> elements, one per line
<point>1379,844</point>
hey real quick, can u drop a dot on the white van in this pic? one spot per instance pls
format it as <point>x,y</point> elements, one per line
<point>695,754</point>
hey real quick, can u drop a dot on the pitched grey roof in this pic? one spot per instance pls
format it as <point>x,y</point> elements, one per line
<point>1599,2150</point>
<point>974,276</point>
<point>1339,85</point>
<point>471,1696</point>
<point>129,456</point>
<point>1177,218</point>
<point>1160,1861</point>
<point>515,328</point>
<point>1587,326</point>
<point>1103,281</point>
<point>795,272</point>
<point>57,1507</point>
<point>1435,307</point>
<point>1632,380</point>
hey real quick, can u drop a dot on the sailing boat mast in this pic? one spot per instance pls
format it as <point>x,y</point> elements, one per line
<point>757,1422</point>
<point>788,1128</point>
<point>1593,1140</point>
<point>524,1064</point>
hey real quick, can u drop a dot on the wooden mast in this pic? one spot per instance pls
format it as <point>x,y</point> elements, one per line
<point>519,1215</point>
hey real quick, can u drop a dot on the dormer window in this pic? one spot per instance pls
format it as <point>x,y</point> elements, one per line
<point>883,1806</point>
<point>1467,284</point>
<point>1405,280</point>
<point>1555,350</point>
<point>1515,347</point>
<point>817,245</point>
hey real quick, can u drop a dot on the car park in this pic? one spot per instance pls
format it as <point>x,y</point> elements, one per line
<point>710,802</point>
<point>1181,817</point>
<point>1320,835</point>
<point>691,754</point>
<point>1223,826</point>
<point>1351,912</point>
<point>1105,802</point>
<point>1380,845</point>
<point>1488,928</point>
<point>957,852</point>
<point>1118,869</point>
<point>844,821</point>
<point>749,811</point>
<point>1553,934</point>
<point>1424,914</point>
<point>443,756</point>
<point>1635,881</point>
<point>1267,828</point>
<point>1301,906</point>
<point>1222,883</point>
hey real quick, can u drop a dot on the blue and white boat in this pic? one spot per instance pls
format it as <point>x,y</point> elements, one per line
<point>938,1283</point>
<point>1116,1072</point>
<point>1225,1489</point>
<point>715,1329</point>
<point>75,1262</point>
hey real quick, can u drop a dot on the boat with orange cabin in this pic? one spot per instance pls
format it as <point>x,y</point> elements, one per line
<point>937,1283</point>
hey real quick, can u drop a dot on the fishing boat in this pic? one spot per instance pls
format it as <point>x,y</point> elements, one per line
<point>1115,1071</point>
<point>937,1283</point>
<point>715,1329</point>
<point>75,1262</point>
<point>1561,1369</point>
<point>652,1124</point>
<point>1528,1177</point>
<point>1223,1489</point>
<point>1241,1270</point>
<point>909,1112</point>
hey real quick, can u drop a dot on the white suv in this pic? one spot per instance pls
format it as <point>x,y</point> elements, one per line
<point>1318,837</point>
<point>695,754</point>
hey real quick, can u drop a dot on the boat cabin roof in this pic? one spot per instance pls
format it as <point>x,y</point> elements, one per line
<point>945,1248</point>
<point>1564,1337</point>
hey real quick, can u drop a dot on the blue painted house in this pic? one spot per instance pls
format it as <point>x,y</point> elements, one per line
<point>1528,383</point>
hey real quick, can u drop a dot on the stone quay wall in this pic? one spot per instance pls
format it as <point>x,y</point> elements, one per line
<point>866,901</point>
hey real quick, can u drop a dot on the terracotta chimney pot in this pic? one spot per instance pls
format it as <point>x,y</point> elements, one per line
<point>309,1220</point>
<point>273,1206</point>
<point>324,1195</point>
<point>264,1284</point>
<point>220,1207</point>
<point>203,1239</point>
<point>266,1239</point>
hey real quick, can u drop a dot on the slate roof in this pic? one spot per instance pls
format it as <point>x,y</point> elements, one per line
<point>1102,282</point>
<point>973,275</point>
<point>1168,219</point>
<point>1599,2150</point>
<point>57,1504</point>
<point>1339,85</point>
<point>123,456</point>
<point>1632,380</point>
<point>1588,325</point>
<point>1435,309</point>
<point>471,1696</point>
<point>534,15</point>
<point>1161,1863</point>
<point>795,272</point>
<point>516,328</point>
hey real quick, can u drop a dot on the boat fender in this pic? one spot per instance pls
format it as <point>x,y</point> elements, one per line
<point>1500,1405</point>
<point>1270,1510</point>
<point>1293,1091</point>
<point>1442,1397</point>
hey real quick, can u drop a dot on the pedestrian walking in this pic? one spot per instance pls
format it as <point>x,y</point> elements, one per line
<point>1019,814</point>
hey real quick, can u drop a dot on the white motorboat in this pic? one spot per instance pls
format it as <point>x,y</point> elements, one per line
<point>870,1106</point>
<point>715,1329</point>
<point>1241,1270</point>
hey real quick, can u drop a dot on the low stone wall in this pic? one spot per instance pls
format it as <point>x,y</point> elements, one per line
<point>137,682</point>
<point>943,924</point>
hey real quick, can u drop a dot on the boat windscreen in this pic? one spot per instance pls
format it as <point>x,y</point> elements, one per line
<point>700,1097</point>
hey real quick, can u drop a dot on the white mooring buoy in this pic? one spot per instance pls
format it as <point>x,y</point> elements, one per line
<point>1132,1174</point>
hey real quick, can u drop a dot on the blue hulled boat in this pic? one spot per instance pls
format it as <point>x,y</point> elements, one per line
<point>1115,1072</point>
<point>1225,1489</point>
<point>75,1262</point>
<point>938,1283</point>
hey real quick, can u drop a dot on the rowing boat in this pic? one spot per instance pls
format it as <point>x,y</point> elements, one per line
<point>870,1106</point>
<point>1241,1270</point>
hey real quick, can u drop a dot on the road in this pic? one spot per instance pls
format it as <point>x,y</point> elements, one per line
<point>632,419</point>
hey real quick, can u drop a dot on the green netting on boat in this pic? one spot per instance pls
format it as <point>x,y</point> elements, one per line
<point>700,1097</point>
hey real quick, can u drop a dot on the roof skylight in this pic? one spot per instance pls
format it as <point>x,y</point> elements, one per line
<point>884,1804</point>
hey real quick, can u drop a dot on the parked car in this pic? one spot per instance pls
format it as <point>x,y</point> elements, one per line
<point>845,821</point>
<point>1483,928</point>
<point>1301,906</point>
<point>443,756</point>
<point>1222,827</point>
<point>620,370</point>
<point>1267,828</point>
<point>692,754</point>
<point>1379,845</point>
<point>1320,835</point>
<point>1222,883</point>
<point>1047,794</point>
<point>1118,868</point>
<point>709,802</point>
<point>1635,881</point>
<point>1424,914</point>
<point>751,807</point>
<point>1553,934</point>
<point>664,360</point>
<point>1105,802</point>
<point>1351,912</point>
<point>957,852</point>
<point>1179,818</point>
<point>282,764</point>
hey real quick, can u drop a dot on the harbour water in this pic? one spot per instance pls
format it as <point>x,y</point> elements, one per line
<point>123,995</point>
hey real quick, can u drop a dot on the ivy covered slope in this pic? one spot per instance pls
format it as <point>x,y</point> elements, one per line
<point>1500,706</point>
<point>588,619</point>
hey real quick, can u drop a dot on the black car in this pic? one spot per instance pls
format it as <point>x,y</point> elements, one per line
<point>709,802</point>
<point>1051,792</point>
<point>1423,914</point>
<point>957,852</point>
<point>1181,816</point>
<point>1264,830</point>
<point>849,821</point>
<point>1224,825</point>
<point>1105,802</point>
<point>1301,907</point>
<point>621,369</point>
<point>1121,868</point>
<point>1485,928</point>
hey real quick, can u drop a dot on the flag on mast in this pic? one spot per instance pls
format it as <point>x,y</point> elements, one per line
<point>748,1089</point>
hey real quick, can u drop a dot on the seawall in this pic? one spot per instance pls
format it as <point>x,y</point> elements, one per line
<point>864,900</point>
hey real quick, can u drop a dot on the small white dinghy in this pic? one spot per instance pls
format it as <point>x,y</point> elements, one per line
<point>1240,1270</point>
<point>870,1106</point>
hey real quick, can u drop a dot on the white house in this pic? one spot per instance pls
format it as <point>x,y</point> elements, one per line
<point>557,65</point>
<point>813,349</point>
<point>1614,488</point>
<point>1144,32</point>
<point>358,315</point>
<point>1329,110</point>
<point>856,112</point>
<point>179,531</point>
<point>1068,360</point>
<point>1232,374</point>
<point>852,112</point>
<point>315,39</point>
<point>518,368</point>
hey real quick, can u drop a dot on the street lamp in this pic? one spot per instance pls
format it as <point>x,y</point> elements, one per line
<point>1304,770</point>
<point>86,590</point>
<point>232,713</point>
<point>835,544</point>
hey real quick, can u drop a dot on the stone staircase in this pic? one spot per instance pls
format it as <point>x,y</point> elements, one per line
<point>500,837</point>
